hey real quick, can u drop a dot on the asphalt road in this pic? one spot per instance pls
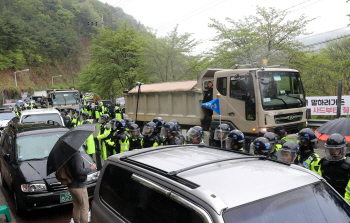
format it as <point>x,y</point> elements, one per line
<point>54,215</point>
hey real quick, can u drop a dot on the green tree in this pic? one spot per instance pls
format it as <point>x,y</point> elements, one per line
<point>265,35</point>
<point>169,58</point>
<point>115,63</point>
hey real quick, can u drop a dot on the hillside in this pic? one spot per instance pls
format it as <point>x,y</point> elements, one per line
<point>50,37</point>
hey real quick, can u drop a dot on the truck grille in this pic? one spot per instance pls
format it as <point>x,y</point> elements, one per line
<point>57,187</point>
<point>286,118</point>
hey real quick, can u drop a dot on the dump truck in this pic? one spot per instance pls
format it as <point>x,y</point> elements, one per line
<point>251,100</point>
<point>62,98</point>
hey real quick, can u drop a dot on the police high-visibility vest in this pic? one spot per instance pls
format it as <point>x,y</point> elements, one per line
<point>90,143</point>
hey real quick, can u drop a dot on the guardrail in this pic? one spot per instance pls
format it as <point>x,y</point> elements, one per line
<point>316,122</point>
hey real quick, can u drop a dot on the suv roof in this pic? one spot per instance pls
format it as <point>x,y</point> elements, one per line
<point>221,184</point>
<point>40,111</point>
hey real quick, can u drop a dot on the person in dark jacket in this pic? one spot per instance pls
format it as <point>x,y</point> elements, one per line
<point>78,188</point>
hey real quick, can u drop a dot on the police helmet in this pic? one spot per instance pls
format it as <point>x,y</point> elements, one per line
<point>149,128</point>
<point>176,123</point>
<point>120,124</point>
<point>280,131</point>
<point>222,131</point>
<point>235,139</point>
<point>159,122</point>
<point>306,135</point>
<point>335,147</point>
<point>260,146</point>
<point>103,118</point>
<point>288,152</point>
<point>85,115</point>
<point>134,130</point>
<point>195,134</point>
<point>168,127</point>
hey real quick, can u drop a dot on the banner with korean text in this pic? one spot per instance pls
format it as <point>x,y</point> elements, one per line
<point>327,105</point>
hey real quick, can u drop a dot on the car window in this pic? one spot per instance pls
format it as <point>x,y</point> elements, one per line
<point>314,203</point>
<point>41,118</point>
<point>36,146</point>
<point>138,203</point>
<point>7,116</point>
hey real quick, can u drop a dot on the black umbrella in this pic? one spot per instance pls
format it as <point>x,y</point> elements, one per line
<point>340,125</point>
<point>66,146</point>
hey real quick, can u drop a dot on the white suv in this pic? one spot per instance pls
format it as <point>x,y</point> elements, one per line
<point>41,116</point>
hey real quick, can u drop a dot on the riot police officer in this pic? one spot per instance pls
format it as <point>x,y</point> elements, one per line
<point>104,132</point>
<point>288,152</point>
<point>220,134</point>
<point>235,141</point>
<point>196,135</point>
<point>335,166</point>
<point>179,135</point>
<point>307,156</point>
<point>120,139</point>
<point>150,140</point>
<point>273,142</point>
<point>168,133</point>
<point>260,146</point>
<point>128,123</point>
<point>136,139</point>
<point>159,122</point>
<point>90,143</point>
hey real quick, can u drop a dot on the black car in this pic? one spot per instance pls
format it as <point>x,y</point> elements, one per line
<point>24,149</point>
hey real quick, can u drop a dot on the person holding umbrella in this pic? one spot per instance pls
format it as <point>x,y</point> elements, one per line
<point>65,153</point>
<point>335,166</point>
<point>307,156</point>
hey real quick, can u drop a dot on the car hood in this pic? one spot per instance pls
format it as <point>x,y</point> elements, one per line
<point>35,170</point>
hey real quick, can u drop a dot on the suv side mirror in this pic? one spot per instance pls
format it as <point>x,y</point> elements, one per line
<point>7,157</point>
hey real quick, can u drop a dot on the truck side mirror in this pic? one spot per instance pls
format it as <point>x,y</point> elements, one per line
<point>53,96</point>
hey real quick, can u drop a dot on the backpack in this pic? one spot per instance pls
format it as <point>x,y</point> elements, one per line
<point>64,175</point>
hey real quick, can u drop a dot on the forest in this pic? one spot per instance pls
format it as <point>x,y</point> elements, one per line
<point>66,37</point>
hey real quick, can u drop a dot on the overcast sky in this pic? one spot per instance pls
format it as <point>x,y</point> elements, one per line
<point>193,15</point>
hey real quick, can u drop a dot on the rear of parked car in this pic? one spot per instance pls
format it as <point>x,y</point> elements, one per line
<point>192,184</point>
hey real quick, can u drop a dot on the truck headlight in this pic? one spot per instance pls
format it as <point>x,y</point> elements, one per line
<point>33,187</point>
<point>93,176</point>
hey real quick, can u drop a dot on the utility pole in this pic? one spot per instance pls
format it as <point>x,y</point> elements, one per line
<point>102,21</point>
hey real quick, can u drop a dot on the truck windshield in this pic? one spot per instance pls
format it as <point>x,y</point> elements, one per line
<point>281,90</point>
<point>316,203</point>
<point>65,98</point>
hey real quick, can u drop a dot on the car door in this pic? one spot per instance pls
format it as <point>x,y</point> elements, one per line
<point>3,151</point>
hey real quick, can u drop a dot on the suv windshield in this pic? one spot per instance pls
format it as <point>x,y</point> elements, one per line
<point>281,90</point>
<point>316,203</point>
<point>7,116</point>
<point>41,118</point>
<point>65,98</point>
<point>36,146</point>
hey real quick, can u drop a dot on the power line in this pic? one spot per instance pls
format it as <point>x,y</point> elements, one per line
<point>297,5</point>
<point>306,6</point>
<point>127,3</point>
<point>192,15</point>
<point>187,14</point>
